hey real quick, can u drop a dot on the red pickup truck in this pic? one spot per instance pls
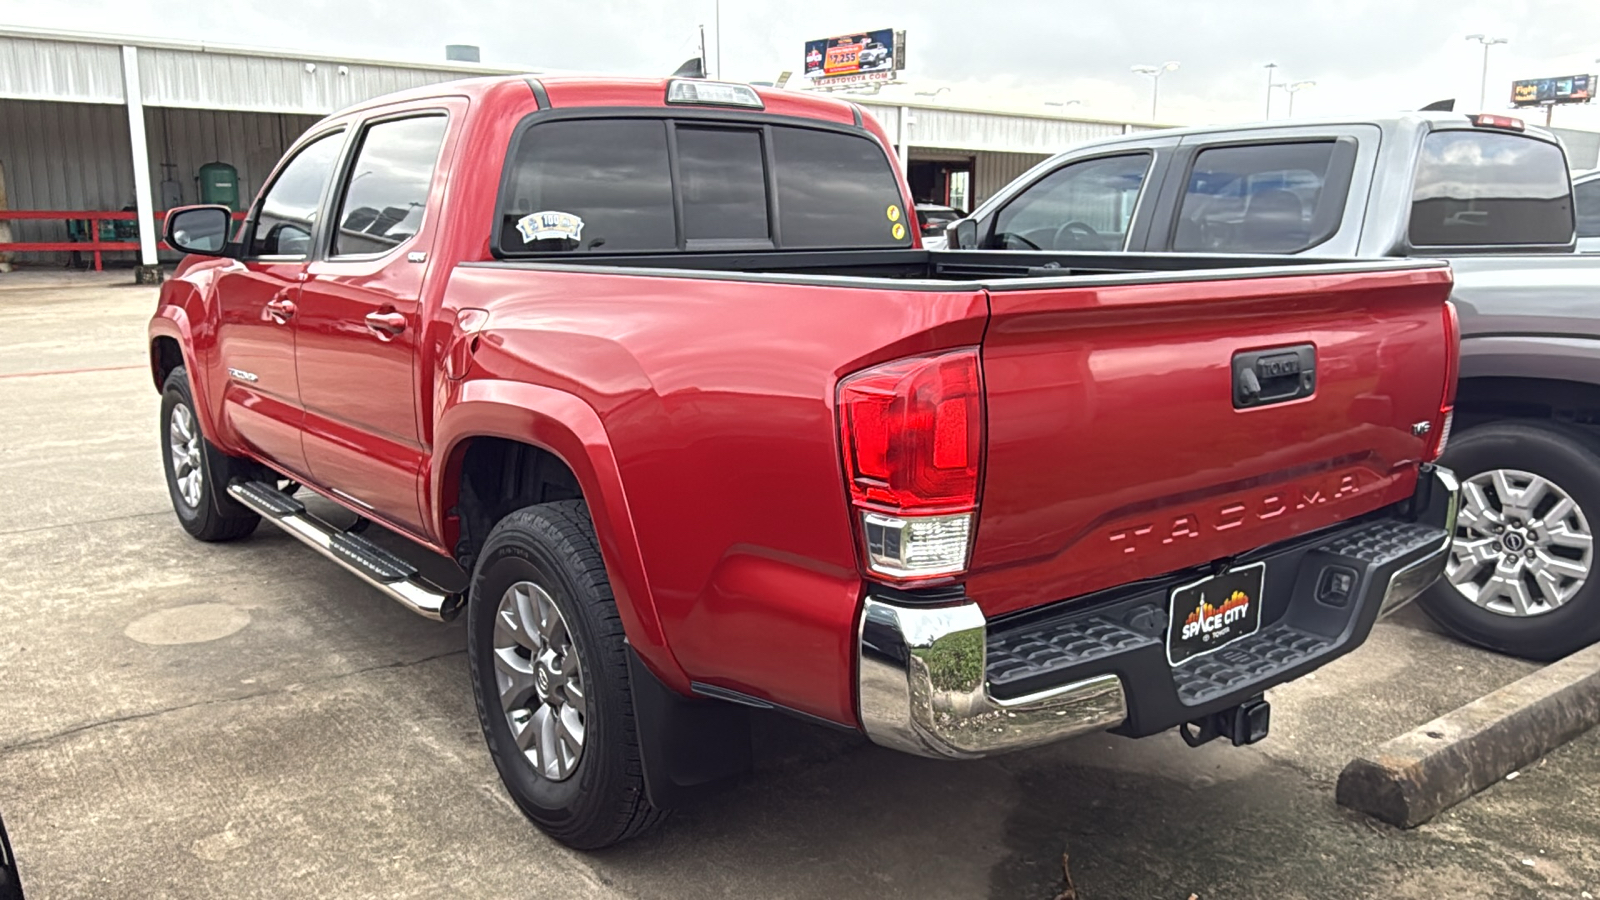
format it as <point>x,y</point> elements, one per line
<point>659,370</point>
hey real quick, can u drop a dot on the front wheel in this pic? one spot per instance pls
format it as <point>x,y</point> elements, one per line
<point>1520,577</point>
<point>550,677</point>
<point>197,472</point>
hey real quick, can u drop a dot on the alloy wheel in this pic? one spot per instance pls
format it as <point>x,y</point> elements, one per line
<point>183,439</point>
<point>540,680</point>
<point>1523,546</point>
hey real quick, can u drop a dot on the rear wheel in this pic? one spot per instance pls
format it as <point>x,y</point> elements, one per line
<point>1520,578</point>
<point>198,473</point>
<point>550,676</point>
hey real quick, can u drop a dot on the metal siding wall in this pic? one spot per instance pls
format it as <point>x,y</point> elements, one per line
<point>189,138</point>
<point>60,70</point>
<point>994,171</point>
<point>63,156</point>
<point>72,156</point>
<point>223,81</point>
<point>961,129</point>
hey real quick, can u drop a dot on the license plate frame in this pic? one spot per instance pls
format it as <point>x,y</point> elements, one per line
<point>1206,615</point>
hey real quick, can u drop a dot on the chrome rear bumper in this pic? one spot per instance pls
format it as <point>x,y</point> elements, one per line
<point>923,676</point>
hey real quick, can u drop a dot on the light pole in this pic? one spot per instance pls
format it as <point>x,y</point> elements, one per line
<point>1155,73</point>
<point>1483,79</point>
<point>1271,74</point>
<point>1296,88</point>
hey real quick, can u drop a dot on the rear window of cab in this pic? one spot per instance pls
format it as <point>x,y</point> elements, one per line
<point>644,184</point>
<point>1489,188</point>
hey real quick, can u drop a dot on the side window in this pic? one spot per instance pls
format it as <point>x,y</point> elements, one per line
<point>1262,198</point>
<point>1489,188</point>
<point>1081,206</point>
<point>609,177</point>
<point>289,210</point>
<point>1588,196</point>
<point>387,191</point>
<point>723,176</point>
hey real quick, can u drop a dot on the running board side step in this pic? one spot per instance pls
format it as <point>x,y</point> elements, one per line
<point>376,566</point>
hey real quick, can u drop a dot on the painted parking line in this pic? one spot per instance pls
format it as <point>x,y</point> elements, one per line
<point>43,373</point>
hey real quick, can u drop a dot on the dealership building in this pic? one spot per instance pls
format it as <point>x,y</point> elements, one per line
<point>129,127</point>
<point>100,134</point>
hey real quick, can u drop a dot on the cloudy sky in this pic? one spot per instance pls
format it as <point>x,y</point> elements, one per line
<point>1364,55</point>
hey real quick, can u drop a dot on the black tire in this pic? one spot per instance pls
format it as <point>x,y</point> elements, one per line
<point>1564,458</point>
<point>213,516</point>
<point>602,801</point>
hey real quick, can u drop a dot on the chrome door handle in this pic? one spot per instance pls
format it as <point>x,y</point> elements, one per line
<point>386,324</point>
<point>280,311</point>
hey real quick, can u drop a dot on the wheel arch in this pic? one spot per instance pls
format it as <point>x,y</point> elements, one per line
<point>549,436</point>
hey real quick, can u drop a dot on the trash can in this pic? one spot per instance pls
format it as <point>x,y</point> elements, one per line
<point>219,183</point>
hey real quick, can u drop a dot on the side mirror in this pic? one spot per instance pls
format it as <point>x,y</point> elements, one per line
<point>962,234</point>
<point>199,229</point>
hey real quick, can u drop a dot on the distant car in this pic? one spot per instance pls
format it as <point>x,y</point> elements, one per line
<point>1586,199</point>
<point>931,220</point>
<point>873,56</point>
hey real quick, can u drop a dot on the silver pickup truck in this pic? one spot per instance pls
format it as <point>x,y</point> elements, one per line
<point>1484,191</point>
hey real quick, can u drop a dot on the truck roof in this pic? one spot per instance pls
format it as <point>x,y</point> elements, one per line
<point>574,91</point>
<point>1420,120</point>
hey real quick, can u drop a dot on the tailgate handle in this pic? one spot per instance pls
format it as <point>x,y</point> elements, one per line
<point>1276,375</point>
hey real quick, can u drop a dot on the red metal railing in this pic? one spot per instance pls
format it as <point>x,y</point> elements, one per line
<point>94,218</point>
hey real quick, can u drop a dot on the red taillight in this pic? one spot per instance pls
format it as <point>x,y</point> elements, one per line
<point>912,433</point>
<point>1439,435</point>
<point>1486,120</point>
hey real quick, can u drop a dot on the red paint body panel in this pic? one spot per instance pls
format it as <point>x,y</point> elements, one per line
<point>1114,450</point>
<point>716,398</point>
<point>697,413</point>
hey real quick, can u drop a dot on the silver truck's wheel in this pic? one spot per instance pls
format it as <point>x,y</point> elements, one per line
<point>540,679</point>
<point>1523,546</point>
<point>1518,578</point>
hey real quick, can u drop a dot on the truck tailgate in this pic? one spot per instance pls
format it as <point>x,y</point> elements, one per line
<point>1115,451</point>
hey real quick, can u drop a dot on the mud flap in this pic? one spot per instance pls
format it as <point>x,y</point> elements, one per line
<point>686,744</point>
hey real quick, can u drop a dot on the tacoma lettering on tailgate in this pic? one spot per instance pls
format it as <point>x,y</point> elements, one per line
<point>1236,511</point>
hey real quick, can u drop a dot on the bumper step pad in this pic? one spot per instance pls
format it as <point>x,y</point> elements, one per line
<point>1123,632</point>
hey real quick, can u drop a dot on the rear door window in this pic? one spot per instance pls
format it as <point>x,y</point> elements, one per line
<point>1587,196</point>
<point>1263,198</point>
<point>1487,188</point>
<point>387,191</point>
<point>1084,206</point>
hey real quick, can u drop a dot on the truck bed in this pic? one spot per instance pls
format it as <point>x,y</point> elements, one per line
<point>944,270</point>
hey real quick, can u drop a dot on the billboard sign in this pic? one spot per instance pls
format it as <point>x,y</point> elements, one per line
<point>1543,91</point>
<point>855,58</point>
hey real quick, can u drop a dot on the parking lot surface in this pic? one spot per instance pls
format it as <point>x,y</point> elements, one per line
<point>185,720</point>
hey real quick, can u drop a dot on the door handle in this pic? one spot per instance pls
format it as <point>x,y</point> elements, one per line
<point>280,311</point>
<point>386,324</point>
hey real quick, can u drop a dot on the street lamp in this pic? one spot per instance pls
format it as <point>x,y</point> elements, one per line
<point>1296,88</point>
<point>1063,103</point>
<point>1155,73</point>
<point>1270,85</point>
<point>1483,80</point>
<point>933,93</point>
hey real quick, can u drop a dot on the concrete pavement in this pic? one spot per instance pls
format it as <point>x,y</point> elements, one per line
<point>185,720</point>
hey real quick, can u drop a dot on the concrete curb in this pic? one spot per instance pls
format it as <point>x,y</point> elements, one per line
<point>1421,773</point>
